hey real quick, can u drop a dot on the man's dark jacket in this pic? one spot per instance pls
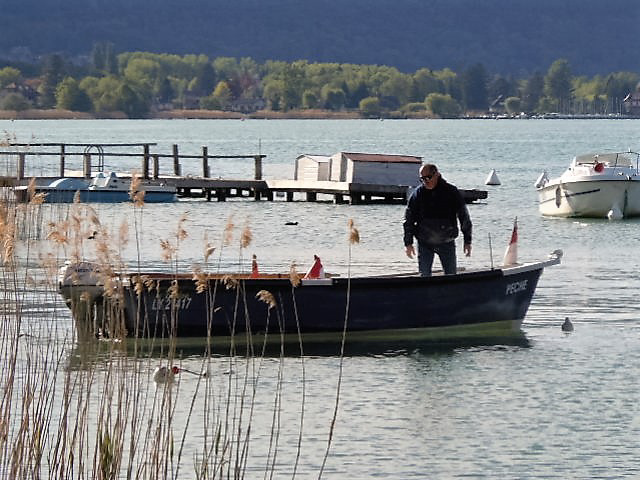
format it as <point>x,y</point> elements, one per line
<point>431,215</point>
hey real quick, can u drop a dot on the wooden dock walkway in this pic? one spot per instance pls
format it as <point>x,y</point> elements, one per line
<point>200,186</point>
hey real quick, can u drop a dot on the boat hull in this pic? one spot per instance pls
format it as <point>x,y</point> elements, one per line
<point>590,198</point>
<point>93,196</point>
<point>489,302</point>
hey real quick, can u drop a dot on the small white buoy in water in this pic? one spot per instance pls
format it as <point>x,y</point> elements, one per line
<point>567,326</point>
<point>615,213</point>
<point>492,179</point>
<point>165,374</point>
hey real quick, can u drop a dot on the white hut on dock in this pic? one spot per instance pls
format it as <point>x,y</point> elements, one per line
<point>312,168</point>
<point>360,168</point>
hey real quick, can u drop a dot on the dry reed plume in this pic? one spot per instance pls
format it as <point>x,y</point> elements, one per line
<point>354,234</point>
<point>228,231</point>
<point>7,235</point>
<point>266,297</point>
<point>294,276</point>
<point>136,192</point>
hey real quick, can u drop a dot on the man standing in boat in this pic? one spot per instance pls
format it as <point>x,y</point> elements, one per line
<point>432,216</point>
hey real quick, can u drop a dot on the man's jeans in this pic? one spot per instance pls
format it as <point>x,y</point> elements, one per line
<point>446,252</point>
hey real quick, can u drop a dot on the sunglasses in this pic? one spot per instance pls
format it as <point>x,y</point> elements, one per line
<point>426,178</point>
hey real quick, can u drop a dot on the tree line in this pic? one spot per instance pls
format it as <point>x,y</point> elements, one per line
<point>141,83</point>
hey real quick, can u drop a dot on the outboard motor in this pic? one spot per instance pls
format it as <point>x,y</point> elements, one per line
<point>74,274</point>
<point>81,286</point>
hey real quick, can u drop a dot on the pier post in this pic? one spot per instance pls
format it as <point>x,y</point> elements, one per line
<point>312,196</point>
<point>205,162</point>
<point>20,172</point>
<point>289,196</point>
<point>62,160</point>
<point>176,161</point>
<point>258,167</point>
<point>145,162</point>
<point>86,165</point>
<point>156,166</point>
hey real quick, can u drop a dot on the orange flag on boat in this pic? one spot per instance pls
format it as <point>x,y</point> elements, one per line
<point>316,270</point>
<point>254,268</point>
<point>511,254</point>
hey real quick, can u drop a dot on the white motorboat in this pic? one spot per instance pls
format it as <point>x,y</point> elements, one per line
<point>105,187</point>
<point>604,185</point>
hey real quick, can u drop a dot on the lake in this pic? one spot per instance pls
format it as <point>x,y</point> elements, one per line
<point>549,405</point>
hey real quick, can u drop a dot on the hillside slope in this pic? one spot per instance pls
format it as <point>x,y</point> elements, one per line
<point>507,36</point>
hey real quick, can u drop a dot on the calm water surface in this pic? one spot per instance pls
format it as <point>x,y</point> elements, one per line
<point>550,405</point>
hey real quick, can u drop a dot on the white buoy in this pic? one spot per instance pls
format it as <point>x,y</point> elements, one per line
<point>615,213</point>
<point>492,179</point>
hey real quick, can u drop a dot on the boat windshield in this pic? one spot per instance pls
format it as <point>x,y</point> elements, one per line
<point>623,159</point>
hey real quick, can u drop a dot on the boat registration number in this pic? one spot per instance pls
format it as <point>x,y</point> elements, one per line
<point>516,287</point>
<point>167,303</point>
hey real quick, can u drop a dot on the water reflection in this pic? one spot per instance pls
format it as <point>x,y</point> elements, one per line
<point>90,354</point>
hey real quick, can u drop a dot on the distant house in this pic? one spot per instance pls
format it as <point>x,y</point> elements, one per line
<point>362,168</point>
<point>632,102</point>
<point>190,101</point>
<point>247,105</point>
<point>27,89</point>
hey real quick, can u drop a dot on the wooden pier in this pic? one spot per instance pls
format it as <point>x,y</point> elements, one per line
<point>153,169</point>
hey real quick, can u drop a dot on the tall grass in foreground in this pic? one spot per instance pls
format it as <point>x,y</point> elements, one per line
<point>77,406</point>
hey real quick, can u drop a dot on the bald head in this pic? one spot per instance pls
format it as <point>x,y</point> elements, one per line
<point>429,175</point>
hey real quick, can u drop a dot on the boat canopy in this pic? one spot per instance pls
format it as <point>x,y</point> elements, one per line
<point>69,184</point>
<point>107,180</point>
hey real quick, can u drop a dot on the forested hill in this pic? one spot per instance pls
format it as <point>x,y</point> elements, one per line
<point>506,36</point>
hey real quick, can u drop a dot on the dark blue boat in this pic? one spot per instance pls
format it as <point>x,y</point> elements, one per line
<point>489,302</point>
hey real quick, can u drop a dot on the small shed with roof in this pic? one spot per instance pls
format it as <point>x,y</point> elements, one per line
<point>375,168</point>
<point>312,168</point>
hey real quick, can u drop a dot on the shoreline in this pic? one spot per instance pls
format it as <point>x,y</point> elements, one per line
<point>58,114</point>
<point>312,114</point>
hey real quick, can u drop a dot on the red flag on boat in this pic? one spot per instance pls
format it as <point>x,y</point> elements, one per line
<point>316,270</point>
<point>511,254</point>
<point>254,268</point>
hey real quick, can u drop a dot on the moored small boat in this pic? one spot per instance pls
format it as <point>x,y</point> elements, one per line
<point>103,188</point>
<point>605,185</point>
<point>404,306</point>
